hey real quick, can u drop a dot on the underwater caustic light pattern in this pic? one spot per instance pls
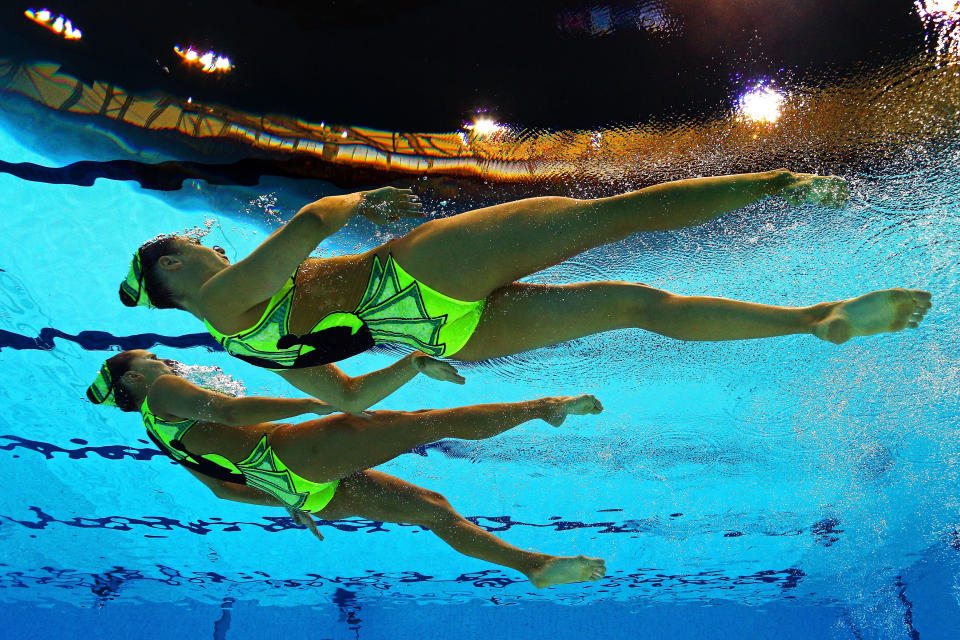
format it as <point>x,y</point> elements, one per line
<point>60,24</point>
<point>208,62</point>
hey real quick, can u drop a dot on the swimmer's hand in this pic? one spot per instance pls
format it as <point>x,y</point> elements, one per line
<point>389,203</point>
<point>321,408</point>
<point>437,369</point>
<point>808,188</point>
<point>305,519</point>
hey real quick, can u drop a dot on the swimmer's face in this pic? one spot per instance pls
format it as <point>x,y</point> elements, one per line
<point>150,366</point>
<point>191,247</point>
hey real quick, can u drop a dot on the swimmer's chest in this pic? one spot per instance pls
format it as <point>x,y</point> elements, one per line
<point>323,286</point>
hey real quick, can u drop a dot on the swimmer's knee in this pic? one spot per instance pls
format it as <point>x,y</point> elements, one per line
<point>437,510</point>
<point>646,301</point>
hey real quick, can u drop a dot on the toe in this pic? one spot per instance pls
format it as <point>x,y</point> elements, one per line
<point>921,297</point>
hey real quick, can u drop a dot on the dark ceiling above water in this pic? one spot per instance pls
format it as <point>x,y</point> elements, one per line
<point>428,66</point>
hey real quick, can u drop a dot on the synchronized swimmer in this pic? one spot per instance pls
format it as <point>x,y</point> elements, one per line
<point>448,288</point>
<point>322,466</point>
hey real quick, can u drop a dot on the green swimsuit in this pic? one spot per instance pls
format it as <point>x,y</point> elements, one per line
<point>395,308</point>
<point>262,469</point>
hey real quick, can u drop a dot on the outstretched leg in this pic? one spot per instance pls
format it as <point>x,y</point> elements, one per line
<point>469,255</point>
<point>526,316</point>
<point>335,447</point>
<point>383,498</point>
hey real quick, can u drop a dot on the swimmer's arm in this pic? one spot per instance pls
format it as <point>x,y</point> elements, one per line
<point>174,396</point>
<point>257,277</point>
<point>353,394</point>
<point>236,492</point>
<point>242,493</point>
<point>238,288</point>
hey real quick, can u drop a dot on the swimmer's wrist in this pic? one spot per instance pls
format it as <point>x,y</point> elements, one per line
<point>416,359</point>
<point>312,405</point>
<point>332,212</point>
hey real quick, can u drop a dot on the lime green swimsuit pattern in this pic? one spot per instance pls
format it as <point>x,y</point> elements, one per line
<point>262,469</point>
<point>395,307</point>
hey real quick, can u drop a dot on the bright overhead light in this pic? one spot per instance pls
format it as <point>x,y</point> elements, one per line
<point>207,62</point>
<point>484,127</point>
<point>761,104</point>
<point>60,24</point>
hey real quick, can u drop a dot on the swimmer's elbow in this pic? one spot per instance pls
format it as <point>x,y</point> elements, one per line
<point>352,397</point>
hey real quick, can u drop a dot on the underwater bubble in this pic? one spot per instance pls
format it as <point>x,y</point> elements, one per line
<point>211,377</point>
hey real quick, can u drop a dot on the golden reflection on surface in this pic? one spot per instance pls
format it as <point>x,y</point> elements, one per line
<point>878,114</point>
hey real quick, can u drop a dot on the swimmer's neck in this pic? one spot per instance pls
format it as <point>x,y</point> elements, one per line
<point>189,293</point>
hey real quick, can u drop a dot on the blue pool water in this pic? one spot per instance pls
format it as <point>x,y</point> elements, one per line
<point>782,488</point>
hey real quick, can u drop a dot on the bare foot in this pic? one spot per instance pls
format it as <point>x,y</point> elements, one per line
<point>562,406</point>
<point>567,569</point>
<point>877,312</point>
<point>809,188</point>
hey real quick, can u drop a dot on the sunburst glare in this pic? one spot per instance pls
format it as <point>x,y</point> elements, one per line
<point>760,104</point>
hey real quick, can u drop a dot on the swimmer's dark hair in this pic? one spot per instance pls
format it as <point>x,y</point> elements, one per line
<point>119,365</point>
<point>160,296</point>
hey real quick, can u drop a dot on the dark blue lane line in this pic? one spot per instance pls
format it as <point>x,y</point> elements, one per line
<point>103,341</point>
<point>826,531</point>
<point>221,626</point>
<point>350,608</point>
<point>155,526</point>
<point>108,452</point>
<point>108,585</point>
<point>451,449</point>
<point>908,609</point>
<point>272,524</point>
